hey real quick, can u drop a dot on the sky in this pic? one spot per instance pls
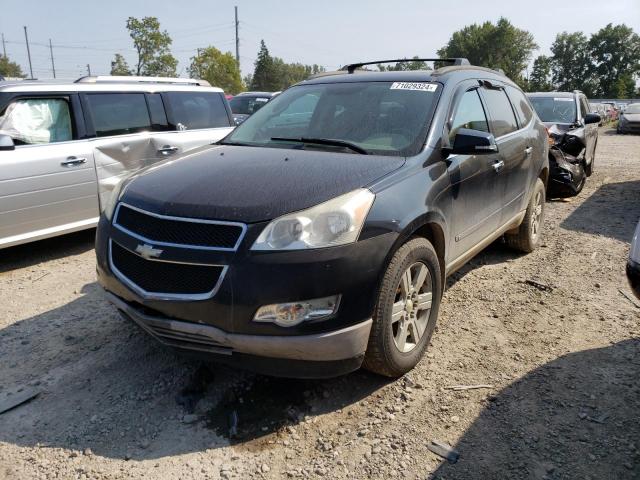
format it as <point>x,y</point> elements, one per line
<point>329,33</point>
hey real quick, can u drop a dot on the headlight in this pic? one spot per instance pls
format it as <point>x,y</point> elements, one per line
<point>112,199</point>
<point>335,222</point>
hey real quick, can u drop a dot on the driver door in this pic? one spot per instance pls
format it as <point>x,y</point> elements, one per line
<point>477,195</point>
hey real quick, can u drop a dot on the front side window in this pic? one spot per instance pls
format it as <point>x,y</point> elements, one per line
<point>555,109</point>
<point>37,120</point>
<point>193,110</point>
<point>119,113</point>
<point>503,120</point>
<point>246,104</point>
<point>469,114</point>
<point>385,118</point>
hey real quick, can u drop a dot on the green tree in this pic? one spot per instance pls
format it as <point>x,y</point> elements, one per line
<point>264,74</point>
<point>152,45</point>
<point>9,68</point>
<point>570,63</point>
<point>119,66</point>
<point>615,53</point>
<point>540,78</point>
<point>219,69</point>
<point>272,74</point>
<point>405,65</point>
<point>501,46</point>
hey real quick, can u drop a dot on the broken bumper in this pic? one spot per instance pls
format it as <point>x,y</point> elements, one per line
<point>319,355</point>
<point>567,174</point>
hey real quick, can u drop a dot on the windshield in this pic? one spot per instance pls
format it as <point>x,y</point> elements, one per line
<point>246,105</point>
<point>633,108</point>
<point>385,118</point>
<point>555,109</point>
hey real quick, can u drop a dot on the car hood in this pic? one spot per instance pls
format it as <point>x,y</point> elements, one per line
<point>632,117</point>
<point>251,184</point>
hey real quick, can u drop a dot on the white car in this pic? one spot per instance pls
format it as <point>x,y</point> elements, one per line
<point>64,146</point>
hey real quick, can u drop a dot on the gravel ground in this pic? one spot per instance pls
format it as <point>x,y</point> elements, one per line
<point>563,365</point>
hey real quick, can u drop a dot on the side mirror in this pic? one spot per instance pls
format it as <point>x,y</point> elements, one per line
<point>473,142</point>
<point>591,118</point>
<point>6,142</point>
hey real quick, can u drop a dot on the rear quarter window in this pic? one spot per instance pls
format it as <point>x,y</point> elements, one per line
<point>523,108</point>
<point>195,110</point>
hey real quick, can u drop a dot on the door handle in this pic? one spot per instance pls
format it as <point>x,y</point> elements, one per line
<point>73,161</point>
<point>167,150</point>
<point>528,150</point>
<point>497,166</point>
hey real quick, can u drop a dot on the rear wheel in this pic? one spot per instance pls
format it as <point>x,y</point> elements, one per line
<point>527,238</point>
<point>406,310</point>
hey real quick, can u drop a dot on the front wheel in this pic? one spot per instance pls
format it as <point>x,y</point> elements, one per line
<point>406,310</point>
<point>527,237</point>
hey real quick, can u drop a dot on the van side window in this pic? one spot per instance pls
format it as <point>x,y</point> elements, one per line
<point>31,121</point>
<point>469,114</point>
<point>118,113</point>
<point>503,120</point>
<point>521,105</point>
<point>156,110</point>
<point>195,110</point>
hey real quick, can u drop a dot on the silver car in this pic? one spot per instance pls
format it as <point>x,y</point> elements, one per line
<point>64,146</point>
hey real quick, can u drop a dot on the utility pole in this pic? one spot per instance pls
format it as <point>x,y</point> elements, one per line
<point>53,65</point>
<point>88,69</point>
<point>4,47</point>
<point>237,40</point>
<point>26,37</point>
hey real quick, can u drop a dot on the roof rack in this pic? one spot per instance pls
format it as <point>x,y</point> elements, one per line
<point>352,67</point>
<point>135,79</point>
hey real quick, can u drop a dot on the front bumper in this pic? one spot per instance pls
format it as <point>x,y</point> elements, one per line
<point>338,351</point>
<point>223,326</point>
<point>566,174</point>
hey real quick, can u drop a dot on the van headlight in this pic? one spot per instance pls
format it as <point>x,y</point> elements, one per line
<point>335,222</point>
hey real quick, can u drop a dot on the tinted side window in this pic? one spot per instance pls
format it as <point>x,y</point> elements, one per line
<point>118,113</point>
<point>469,114</point>
<point>521,105</point>
<point>156,109</point>
<point>503,120</point>
<point>192,110</point>
<point>37,120</point>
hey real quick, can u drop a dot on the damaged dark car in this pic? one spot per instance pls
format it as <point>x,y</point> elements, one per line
<point>573,136</point>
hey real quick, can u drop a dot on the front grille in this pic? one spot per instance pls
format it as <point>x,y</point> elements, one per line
<point>184,232</point>
<point>158,277</point>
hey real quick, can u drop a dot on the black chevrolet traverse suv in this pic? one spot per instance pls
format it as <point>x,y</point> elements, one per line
<point>318,235</point>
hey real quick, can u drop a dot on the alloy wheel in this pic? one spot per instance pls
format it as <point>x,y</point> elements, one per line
<point>411,307</point>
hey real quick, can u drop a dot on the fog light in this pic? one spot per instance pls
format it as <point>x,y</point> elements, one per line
<point>293,313</point>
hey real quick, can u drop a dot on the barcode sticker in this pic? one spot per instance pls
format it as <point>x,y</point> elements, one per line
<point>420,86</point>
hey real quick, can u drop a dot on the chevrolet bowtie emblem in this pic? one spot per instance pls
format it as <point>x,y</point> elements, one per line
<point>147,251</point>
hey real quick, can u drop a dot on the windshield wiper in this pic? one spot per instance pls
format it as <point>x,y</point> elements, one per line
<point>323,141</point>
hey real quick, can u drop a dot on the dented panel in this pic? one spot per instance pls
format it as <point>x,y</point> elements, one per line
<point>117,157</point>
<point>567,160</point>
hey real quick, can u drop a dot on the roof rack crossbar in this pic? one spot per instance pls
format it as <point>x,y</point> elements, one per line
<point>136,79</point>
<point>352,67</point>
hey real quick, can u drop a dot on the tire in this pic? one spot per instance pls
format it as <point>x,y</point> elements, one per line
<point>405,311</point>
<point>527,238</point>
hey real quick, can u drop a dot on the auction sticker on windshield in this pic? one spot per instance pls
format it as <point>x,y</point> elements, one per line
<point>420,86</point>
